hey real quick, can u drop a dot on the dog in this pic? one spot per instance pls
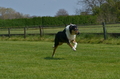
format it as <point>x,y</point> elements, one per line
<point>68,35</point>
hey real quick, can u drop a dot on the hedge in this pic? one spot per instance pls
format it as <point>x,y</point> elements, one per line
<point>48,21</point>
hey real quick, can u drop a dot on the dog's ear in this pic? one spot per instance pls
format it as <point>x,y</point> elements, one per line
<point>70,26</point>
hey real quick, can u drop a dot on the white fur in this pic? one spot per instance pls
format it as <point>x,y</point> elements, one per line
<point>71,37</point>
<point>74,49</point>
<point>75,44</point>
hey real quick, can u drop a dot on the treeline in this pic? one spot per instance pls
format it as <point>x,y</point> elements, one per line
<point>48,21</point>
<point>9,13</point>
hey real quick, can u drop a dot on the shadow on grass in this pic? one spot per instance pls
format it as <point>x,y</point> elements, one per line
<point>53,58</point>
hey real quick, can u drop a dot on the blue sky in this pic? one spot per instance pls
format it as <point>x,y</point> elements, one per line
<point>41,7</point>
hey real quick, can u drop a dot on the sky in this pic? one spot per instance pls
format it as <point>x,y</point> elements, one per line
<point>41,7</point>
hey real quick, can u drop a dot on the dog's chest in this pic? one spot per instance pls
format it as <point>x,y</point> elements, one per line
<point>71,37</point>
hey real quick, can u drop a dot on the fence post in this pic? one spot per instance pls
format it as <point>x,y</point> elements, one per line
<point>40,28</point>
<point>24,32</point>
<point>9,32</point>
<point>104,31</point>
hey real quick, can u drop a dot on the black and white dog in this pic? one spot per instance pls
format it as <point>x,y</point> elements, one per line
<point>68,35</point>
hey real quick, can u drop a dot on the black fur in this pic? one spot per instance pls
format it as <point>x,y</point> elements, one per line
<point>61,37</point>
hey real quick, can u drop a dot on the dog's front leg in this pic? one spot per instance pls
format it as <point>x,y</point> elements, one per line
<point>75,44</point>
<point>72,46</point>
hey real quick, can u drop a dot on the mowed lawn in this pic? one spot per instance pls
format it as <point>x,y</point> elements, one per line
<point>32,60</point>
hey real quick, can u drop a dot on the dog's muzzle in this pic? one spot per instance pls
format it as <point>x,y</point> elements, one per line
<point>78,33</point>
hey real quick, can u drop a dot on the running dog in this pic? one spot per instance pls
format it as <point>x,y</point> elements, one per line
<point>68,35</point>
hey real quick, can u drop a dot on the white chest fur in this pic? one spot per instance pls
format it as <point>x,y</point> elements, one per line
<point>69,36</point>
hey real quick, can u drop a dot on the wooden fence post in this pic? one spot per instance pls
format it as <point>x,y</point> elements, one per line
<point>40,28</point>
<point>104,31</point>
<point>9,32</point>
<point>24,32</point>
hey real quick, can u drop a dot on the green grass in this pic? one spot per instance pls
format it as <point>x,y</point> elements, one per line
<point>82,38</point>
<point>32,60</point>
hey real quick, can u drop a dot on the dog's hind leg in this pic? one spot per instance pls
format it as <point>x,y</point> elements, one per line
<point>54,50</point>
<point>55,47</point>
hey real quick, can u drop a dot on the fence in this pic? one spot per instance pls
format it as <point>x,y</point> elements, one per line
<point>109,29</point>
<point>22,31</point>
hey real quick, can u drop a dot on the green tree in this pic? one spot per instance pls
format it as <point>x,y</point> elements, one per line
<point>106,10</point>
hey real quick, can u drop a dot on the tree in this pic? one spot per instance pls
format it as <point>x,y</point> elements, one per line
<point>117,6</point>
<point>9,13</point>
<point>62,12</point>
<point>90,4</point>
<point>106,10</point>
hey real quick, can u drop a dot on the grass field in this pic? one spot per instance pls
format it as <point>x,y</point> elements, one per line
<point>32,60</point>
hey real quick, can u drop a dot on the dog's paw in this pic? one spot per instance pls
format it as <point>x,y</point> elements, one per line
<point>74,48</point>
<point>75,45</point>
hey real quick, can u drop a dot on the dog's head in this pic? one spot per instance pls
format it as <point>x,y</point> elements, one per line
<point>73,29</point>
